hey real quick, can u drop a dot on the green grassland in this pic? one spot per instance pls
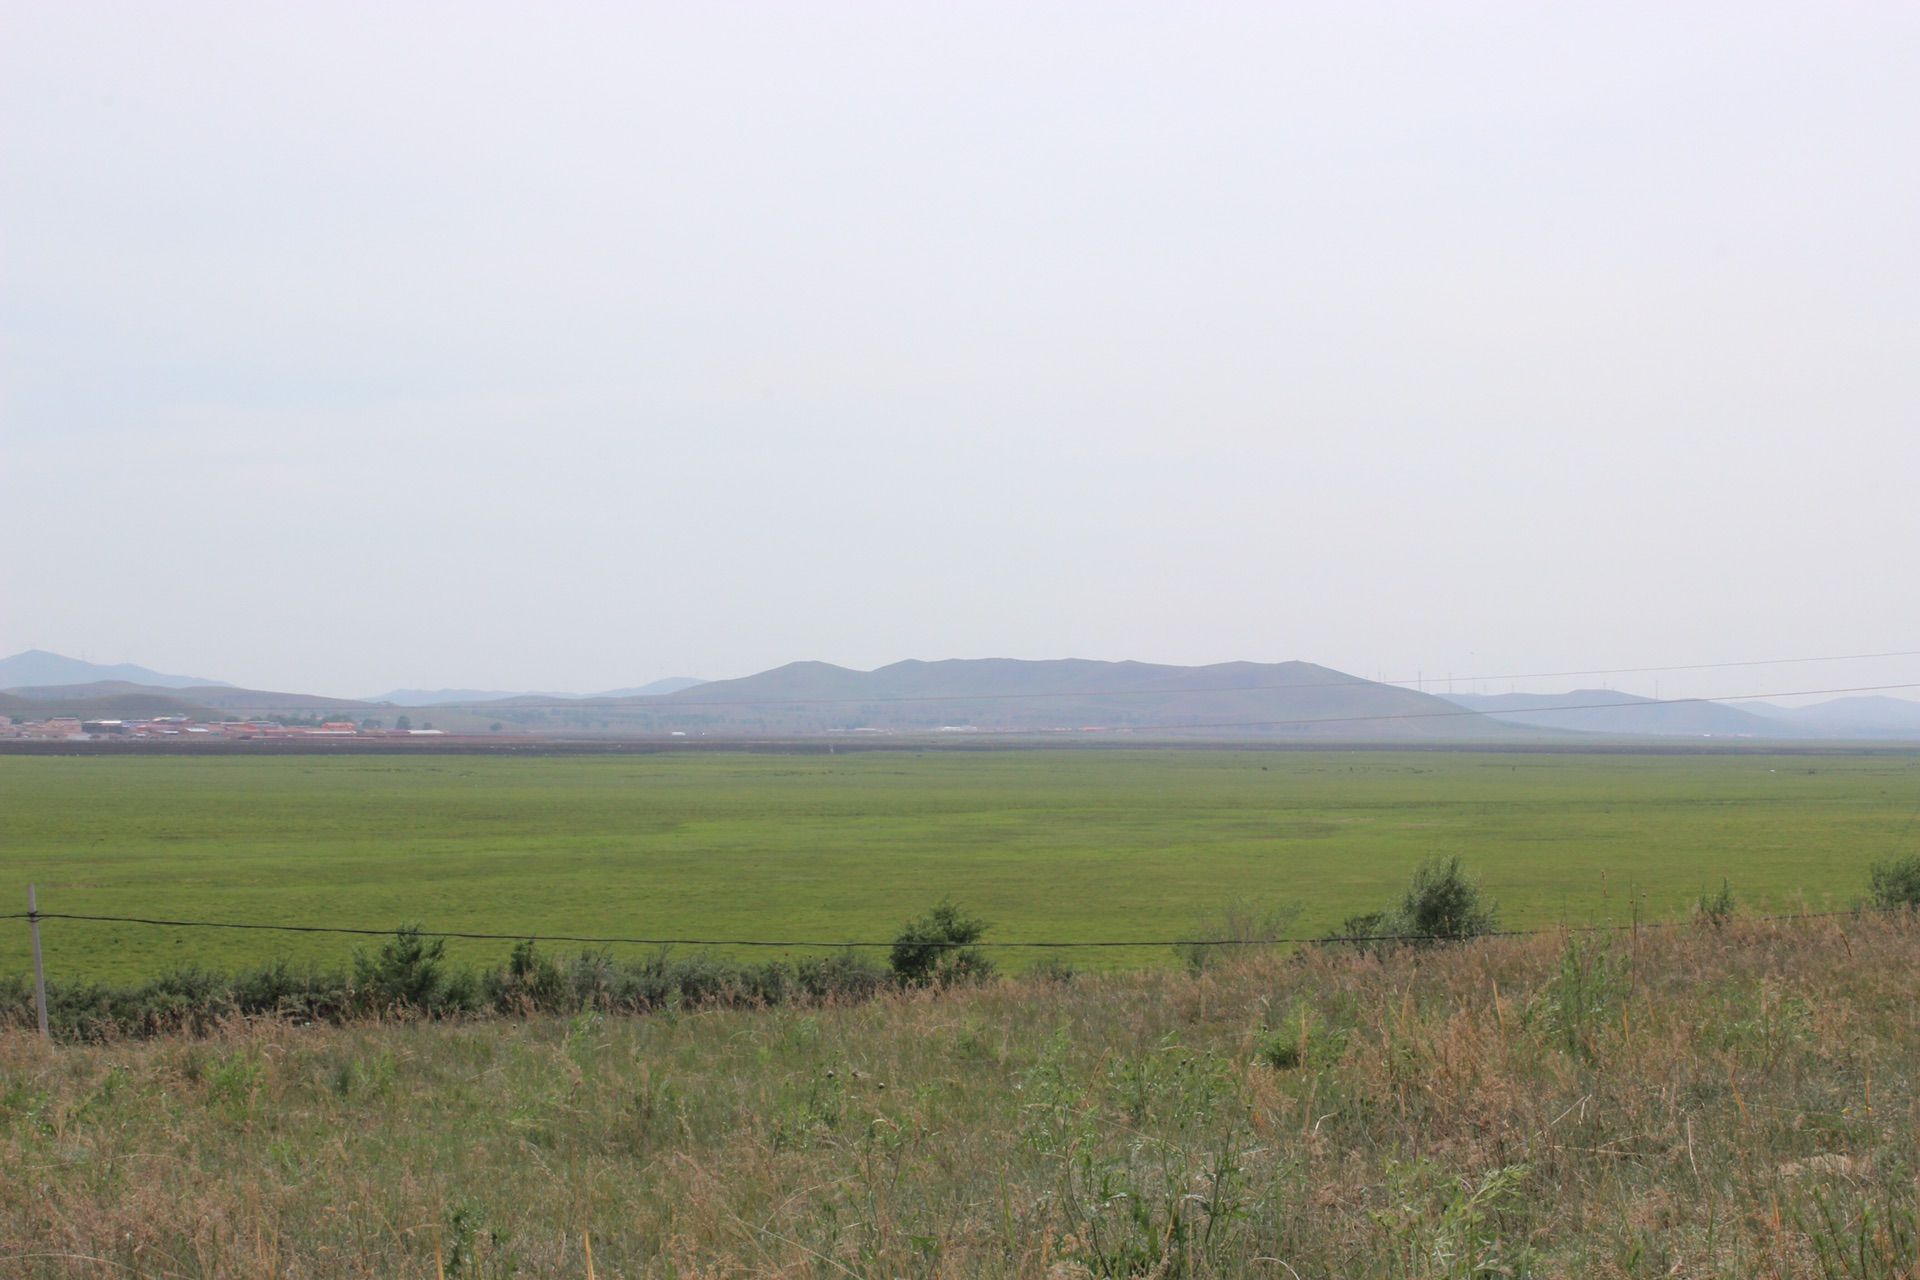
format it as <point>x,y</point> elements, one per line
<point>1044,843</point>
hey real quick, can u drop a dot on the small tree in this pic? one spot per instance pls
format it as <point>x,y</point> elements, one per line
<point>403,722</point>
<point>408,972</point>
<point>1442,904</point>
<point>937,949</point>
<point>1895,883</point>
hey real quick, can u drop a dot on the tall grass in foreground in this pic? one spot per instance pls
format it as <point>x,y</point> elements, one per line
<point>1733,1100</point>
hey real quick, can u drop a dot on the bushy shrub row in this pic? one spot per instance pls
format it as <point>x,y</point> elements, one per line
<point>409,977</point>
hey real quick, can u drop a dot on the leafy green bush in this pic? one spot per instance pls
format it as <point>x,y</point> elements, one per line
<point>279,990</point>
<point>531,982</point>
<point>1442,904</point>
<point>937,949</point>
<point>409,974</point>
<point>1895,883</point>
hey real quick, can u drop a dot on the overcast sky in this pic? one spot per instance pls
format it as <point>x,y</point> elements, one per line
<point>569,346</point>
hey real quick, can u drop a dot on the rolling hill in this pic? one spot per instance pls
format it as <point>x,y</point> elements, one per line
<point>1874,717</point>
<point>1229,700</point>
<point>1233,699</point>
<point>461,697</point>
<point>130,703</point>
<point>443,697</point>
<point>124,698</point>
<point>655,688</point>
<point>1610,711</point>
<point>38,667</point>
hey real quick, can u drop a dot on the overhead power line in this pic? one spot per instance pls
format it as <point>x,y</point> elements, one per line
<point>843,945</point>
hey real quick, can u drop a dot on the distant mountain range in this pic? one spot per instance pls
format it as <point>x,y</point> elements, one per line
<point>654,688</point>
<point>437,697</point>
<point>433,697</point>
<point>1235,700</point>
<point>1232,699</point>
<point>1612,712</point>
<point>38,667</point>
<point>1871,716</point>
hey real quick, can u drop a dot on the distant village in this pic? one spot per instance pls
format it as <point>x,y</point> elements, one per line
<point>73,729</point>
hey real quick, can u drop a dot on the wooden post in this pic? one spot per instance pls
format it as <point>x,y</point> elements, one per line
<point>39,966</point>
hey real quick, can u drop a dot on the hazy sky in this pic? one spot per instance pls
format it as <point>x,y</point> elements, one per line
<point>568,346</point>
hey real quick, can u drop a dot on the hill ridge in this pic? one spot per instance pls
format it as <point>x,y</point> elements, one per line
<point>43,667</point>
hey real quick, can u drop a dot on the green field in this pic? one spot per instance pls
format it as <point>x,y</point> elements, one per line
<point>1044,843</point>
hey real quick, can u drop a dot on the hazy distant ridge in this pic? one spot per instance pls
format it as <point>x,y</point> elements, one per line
<point>1223,700</point>
<point>1233,699</point>
<point>38,667</point>
<point>1612,712</point>
<point>437,697</point>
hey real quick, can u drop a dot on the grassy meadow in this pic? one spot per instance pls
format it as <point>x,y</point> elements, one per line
<point>1738,1101</point>
<point>1043,843</point>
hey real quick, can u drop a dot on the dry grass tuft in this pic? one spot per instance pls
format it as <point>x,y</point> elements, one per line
<point>1736,1100</point>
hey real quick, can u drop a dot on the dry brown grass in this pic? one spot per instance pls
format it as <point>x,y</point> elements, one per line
<point>1714,1102</point>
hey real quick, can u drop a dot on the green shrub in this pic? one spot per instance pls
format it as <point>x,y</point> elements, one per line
<point>279,990</point>
<point>1365,926</point>
<point>1442,904</point>
<point>409,973</point>
<point>1303,1039</point>
<point>1279,1050</point>
<point>1052,969</point>
<point>843,975</point>
<point>937,949</point>
<point>1895,883</point>
<point>531,982</point>
<point>1241,928</point>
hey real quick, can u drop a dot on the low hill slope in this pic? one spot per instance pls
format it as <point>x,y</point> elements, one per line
<point>129,704</point>
<point>260,702</point>
<point>442,697</point>
<point>207,702</point>
<point>1610,711</point>
<point>1870,717</point>
<point>654,688</point>
<point>91,689</point>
